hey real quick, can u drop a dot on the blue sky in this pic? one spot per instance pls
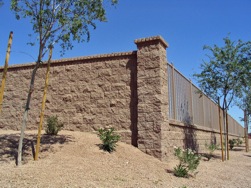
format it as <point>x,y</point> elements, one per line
<point>186,25</point>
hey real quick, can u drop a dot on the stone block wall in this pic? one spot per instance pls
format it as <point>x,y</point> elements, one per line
<point>85,93</point>
<point>152,95</point>
<point>127,91</point>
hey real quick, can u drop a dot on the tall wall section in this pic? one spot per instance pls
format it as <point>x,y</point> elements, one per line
<point>128,91</point>
<point>85,93</point>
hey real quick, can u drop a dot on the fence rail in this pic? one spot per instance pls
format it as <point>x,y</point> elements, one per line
<point>190,106</point>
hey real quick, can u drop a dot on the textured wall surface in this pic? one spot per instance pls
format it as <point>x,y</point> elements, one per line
<point>152,92</point>
<point>85,93</point>
<point>127,91</point>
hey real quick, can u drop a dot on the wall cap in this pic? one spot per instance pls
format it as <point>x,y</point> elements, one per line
<point>149,39</point>
<point>65,60</point>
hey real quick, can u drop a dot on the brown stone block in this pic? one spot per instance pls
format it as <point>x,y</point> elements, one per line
<point>111,64</point>
<point>141,108</point>
<point>71,68</point>
<point>143,126</point>
<point>148,135</point>
<point>93,75</point>
<point>84,68</point>
<point>102,120</point>
<point>88,119</point>
<point>84,78</point>
<point>95,127</point>
<point>67,98</point>
<point>106,87</point>
<point>125,79</point>
<point>152,73</point>
<point>124,94</point>
<point>83,127</point>
<point>157,128</point>
<point>69,112</point>
<point>112,79</point>
<point>118,86</point>
<point>152,99</point>
<point>154,116</point>
<point>105,72</point>
<point>102,103</point>
<point>63,90</point>
<point>119,103</point>
<point>97,95</point>
<point>76,120</point>
<point>141,117</point>
<point>157,144</point>
<point>120,71</point>
<point>117,119</point>
<point>125,126</point>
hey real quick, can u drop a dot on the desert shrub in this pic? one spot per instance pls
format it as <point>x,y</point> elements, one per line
<point>211,148</point>
<point>188,162</point>
<point>232,142</point>
<point>108,138</point>
<point>180,171</point>
<point>53,126</point>
<point>238,141</point>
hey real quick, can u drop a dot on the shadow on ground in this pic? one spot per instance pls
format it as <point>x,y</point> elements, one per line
<point>9,145</point>
<point>247,155</point>
<point>237,149</point>
<point>208,157</point>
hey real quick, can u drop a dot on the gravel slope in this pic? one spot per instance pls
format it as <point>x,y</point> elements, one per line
<point>73,159</point>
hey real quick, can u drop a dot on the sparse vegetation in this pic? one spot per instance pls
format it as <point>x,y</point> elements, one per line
<point>231,143</point>
<point>238,141</point>
<point>189,162</point>
<point>211,148</point>
<point>53,125</point>
<point>108,138</point>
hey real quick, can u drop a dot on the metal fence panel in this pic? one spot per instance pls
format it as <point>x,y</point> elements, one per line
<point>189,105</point>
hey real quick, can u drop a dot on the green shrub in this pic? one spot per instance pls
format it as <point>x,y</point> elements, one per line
<point>188,161</point>
<point>238,142</point>
<point>232,142</point>
<point>181,171</point>
<point>53,126</point>
<point>108,138</point>
<point>211,148</point>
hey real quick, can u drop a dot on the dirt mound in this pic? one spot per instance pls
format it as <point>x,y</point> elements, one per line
<point>73,159</point>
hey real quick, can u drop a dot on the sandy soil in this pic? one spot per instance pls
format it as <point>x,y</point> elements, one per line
<point>73,159</point>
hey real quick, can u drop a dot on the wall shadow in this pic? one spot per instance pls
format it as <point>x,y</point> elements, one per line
<point>132,65</point>
<point>190,140</point>
<point>9,145</point>
<point>213,139</point>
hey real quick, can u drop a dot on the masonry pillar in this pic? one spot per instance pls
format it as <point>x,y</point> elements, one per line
<point>152,96</point>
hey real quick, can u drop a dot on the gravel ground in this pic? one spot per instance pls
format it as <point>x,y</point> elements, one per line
<point>73,159</point>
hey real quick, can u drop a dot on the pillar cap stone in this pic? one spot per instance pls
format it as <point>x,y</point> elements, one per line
<point>151,39</point>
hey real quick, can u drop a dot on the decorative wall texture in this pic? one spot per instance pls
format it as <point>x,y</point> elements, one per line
<point>128,91</point>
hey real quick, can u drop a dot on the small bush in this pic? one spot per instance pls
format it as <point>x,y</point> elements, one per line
<point>211,148</point>
<point>108,138</point>
<point>238,141</point>
<point>53,126</point>
<point>181,171</point>
<point>189,161</point>
<point>232,142</point>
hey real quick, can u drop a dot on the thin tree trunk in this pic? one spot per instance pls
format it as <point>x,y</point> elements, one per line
<point>221,142</point>
<point>25,117</point>
<point>246,130</point>
<point>5,70</point>
<point>43,106</point>
<point>227,135</point>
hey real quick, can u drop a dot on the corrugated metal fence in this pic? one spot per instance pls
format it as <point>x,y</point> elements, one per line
<point>189,106</point>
